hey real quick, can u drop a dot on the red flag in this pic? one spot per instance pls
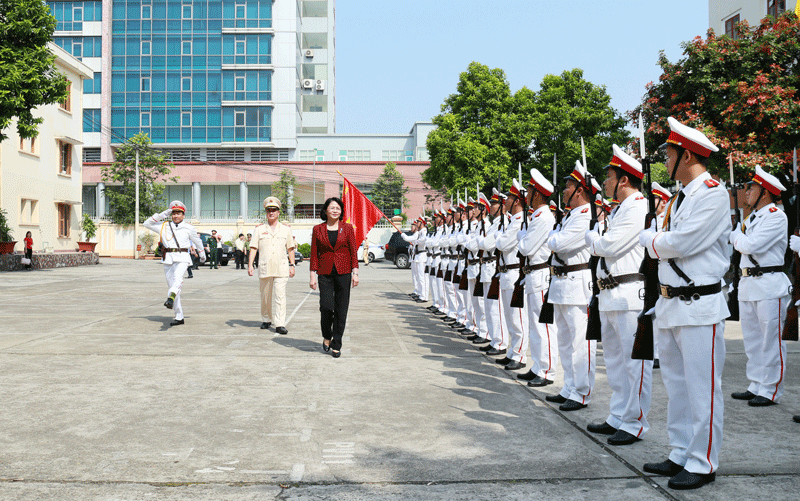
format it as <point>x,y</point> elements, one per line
<point>359,211</point>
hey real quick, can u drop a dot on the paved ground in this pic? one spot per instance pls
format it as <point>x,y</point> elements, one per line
<point>103,400</point>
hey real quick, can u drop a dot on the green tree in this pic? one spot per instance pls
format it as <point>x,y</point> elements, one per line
<point>743,94</point>
<point>28,78</point>
<point>153,170</point>
<point>280,190</point>
<point>389,190</point>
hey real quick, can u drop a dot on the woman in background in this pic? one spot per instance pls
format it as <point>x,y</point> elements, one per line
<point>29,250</point>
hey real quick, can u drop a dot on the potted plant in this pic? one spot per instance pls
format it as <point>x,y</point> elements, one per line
<point>147,241</point>
<point>89,228</point>
<point>7,241</point>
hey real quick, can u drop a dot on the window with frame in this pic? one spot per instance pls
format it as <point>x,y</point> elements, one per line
<point>397,155</point>
<point>776,7</point>
<point>64,158</point>
<point>186,47</point>
<point>354,155</point>
<point>310,156</point>
<point>146,47</point>
<point>186,119</point>
<point>238,118</point>
<point>145,84</point>
<point>144,119</point>
<point>730,27</point>
<point>29,211</point>
<point>186,84</point>
<point>147,11</point>
<point>66,104</point>
<point>64,211</point>
<point>186,11</point>
<point>240,10</point>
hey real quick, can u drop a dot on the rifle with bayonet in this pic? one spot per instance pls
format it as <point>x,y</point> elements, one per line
<point>736,256</point>
<point>518,296</point>
<point>547,311</point>
<point>463,283</point>
<point>790,330</point>
<point>494,287</point>
<point>593,322</point>
<point>477,291</point>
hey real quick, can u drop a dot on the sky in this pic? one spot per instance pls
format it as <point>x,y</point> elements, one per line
<point>397,61</point>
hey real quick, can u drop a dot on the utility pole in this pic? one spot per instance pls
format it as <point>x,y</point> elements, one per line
<point>136,220</point>
<point>314,174</point>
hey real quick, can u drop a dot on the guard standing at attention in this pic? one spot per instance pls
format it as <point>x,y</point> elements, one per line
<point>177,237</point>
<point>692,249</point>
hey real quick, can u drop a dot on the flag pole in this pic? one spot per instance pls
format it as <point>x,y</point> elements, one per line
<point>382,214</point>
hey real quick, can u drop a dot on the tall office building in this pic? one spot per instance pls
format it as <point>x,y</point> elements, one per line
<point>208,80</point>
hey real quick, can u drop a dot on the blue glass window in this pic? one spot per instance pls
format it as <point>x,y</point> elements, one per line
<point>91,120</point>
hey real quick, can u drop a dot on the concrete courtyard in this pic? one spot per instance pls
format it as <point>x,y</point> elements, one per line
<point>103,400</point>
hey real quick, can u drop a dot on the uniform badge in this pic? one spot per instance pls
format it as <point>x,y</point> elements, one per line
<point>640,197</point>
<point>584,211</point>
<point>711,183</point>
<point>773,209</point>
<point>537,215</point>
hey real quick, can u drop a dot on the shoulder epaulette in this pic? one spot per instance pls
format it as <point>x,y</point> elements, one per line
<point>711,183</point>
<point>773,209</point>
<point>537,215</point>
<point>584,211</point>
<point>640,197</point>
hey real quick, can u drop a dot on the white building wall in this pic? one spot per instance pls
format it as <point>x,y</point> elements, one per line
<point>752,11</point>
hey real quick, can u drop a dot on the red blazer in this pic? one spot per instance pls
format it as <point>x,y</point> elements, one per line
<point>345,254</point>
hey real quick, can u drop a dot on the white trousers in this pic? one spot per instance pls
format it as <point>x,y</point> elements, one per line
<point>478,311</point>
<point>630,380</point>
<point>577,354</point>
<point>692,358</point>
<point>517,323</point>
<point>465,307</point>
<point>415,277</point>
<point>452,298</point>
<point>273,300</point>
<point>496,321</point>
<point>174,273</point>
<point>423,282</point>
<point>762,329</point>
<point>543,338</point>
<point>434,290</point>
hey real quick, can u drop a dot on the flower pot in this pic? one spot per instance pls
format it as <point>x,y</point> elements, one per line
<point>7,247</point>
<point>86,246</point>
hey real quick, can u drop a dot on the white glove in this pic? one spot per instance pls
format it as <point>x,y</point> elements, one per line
<point>167,213</point>
<point>794,243</point>
<point>553,232</point>
<point>521,234</point>
<point>591,236</point>
<point>202,260</point>
<point>646,236</point>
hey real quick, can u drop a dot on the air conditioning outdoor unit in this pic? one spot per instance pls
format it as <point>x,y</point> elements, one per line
<point>320,84</point>
<point>309,53</point>
<point>308,83</point>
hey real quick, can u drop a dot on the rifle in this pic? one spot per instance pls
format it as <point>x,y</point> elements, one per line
<point>643,341</point>
<point>593,322</point>
<point>494,287</point>
<point>736,256</point>
<point>478,290</point>
<point>790,324</point>
<point>518,296</point>
<point>463,283</point>
<point>547,311</point>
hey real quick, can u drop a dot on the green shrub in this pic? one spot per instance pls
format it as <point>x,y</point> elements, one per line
<point>305,250</point>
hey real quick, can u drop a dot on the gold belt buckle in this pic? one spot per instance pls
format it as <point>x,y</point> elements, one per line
<point>745,272</point>
<point>664,291</point>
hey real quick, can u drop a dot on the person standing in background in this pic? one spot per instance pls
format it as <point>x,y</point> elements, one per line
<point>211,248</point>
<point>29,250</point>
<point>239,245</point>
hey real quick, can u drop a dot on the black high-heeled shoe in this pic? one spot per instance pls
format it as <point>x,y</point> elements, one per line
<point>336,354</point>
<point>326,347</point>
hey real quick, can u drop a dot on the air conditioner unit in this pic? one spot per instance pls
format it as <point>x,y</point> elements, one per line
<point>320,85</point>
<point>308,83</point>
<point>309,53</point>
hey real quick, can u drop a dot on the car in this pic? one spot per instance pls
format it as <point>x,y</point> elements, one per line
<point>397,250</point>
<point>376,252</point>
<point>298,258</point>
<point>227,250</point>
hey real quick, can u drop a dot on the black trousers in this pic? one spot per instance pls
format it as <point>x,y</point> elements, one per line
<point>334,300</point>
<point>239,259</point>
<point>29,255</point>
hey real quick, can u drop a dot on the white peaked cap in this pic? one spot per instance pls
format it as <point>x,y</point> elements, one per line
<point>689,138</point>
<point>768,181</point>
<point>540,183</point>
<point>660,191</point>
<point>626,162</point>
<point>517,189</point>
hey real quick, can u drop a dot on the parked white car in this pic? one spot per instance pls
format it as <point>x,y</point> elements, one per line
<point>376,252</point>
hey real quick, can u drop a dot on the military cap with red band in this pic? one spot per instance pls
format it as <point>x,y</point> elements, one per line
<point>177,205</point>
<point>625,162</point>
<point>660,191</point>
<point>483,200</point>
<point>517,190</point>
<point>767,181</point>
<point>497,196</point>
<point>689,138</point>
<point>579,174</point>
<point>540,183</point>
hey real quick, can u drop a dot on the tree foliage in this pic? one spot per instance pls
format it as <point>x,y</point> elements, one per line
<point>743,94</point>
<point>485,132</point>
<point>389,190</point>
<point>121,176</point>
<point>280,190</point>
<point>28,77</point>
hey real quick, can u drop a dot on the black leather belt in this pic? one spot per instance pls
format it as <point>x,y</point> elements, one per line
<point>436,254</point>
<point>689,293</point>
<point>475,261</point>
<point>487,260</point>
<point>561,271</point>
<point>611,281</point>
<point>757,271</point>
<point>534,267</point>
<point>175,249</point>
<point>509,267</point>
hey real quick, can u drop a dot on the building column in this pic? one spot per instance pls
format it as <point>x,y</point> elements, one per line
<point>196,200</point>
<point>243,200</point>
<point>100,196</point>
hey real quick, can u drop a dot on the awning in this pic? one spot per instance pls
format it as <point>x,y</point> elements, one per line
<point>68,202</point>
<point>69,140</point>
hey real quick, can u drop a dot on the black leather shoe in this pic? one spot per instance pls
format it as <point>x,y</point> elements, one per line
<point>486,348</point>
<point>503,361</point>
<point>571,405</point>
<point>438,312</point>
<point>666,468</point>
<point>448,319</point>
<point>495,351</point>
<point>169,303</point>
<point>326,347</point>
<point>457,325</point>
<point>539,381</point>
<point>687,480</point>
<point>796,419</point>
<point>743,395</point>
<point>480,340</point>
<point>528,376</point>
<point>265,325</point>
<point>281,330</point>
<point>177,322</point>
<point>558,399</point>
<point>601,428</point>
<point>471,337</point>
<point>656,364</point>
<point>760,401</point>
<point>431,307</point>
<point>515,365</point>
<point>418,300</point>
<point>622,437</point>
<point>336,354</point>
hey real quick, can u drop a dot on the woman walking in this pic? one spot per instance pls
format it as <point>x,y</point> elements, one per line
<point>29,250</point>
<point>334,266</point>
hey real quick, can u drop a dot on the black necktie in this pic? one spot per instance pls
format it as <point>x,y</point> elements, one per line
<point>681,196</point>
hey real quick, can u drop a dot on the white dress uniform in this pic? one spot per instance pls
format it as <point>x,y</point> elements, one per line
<point>543,337</point>
<point>452,296</point>
<point>478,312</point>
<point>570,294</point>
<point>763,299</point>
<point>690,333</point>
<point>464,302</point>
<point>436,259</point>
<point>515,318</point>
<point>495,321</point>
<point>620,253</point>
<point>175,236</point>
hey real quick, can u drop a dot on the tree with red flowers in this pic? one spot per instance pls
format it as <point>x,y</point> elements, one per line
<point>743,93</point>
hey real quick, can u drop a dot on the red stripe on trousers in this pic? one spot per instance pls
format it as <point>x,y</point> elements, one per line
<point>711,422</point>
<point>780,351</point>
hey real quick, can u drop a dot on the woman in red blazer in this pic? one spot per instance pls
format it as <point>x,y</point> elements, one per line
<point>334,266</point>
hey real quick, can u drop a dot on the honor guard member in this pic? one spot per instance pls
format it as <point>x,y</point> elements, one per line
<point>177,236</point>
<point>692,248</point>
<point>570,292</point>
<point>478,258</point>
<point>662,196</point>
<point>411,240</point>
<point>462,315</point>
<point>495,321</point>
<point>449,264</point>
<point>763,290</point>
<point>516,319</point>
<point>421,257</point>
<point>436,260</point>
<point>532,243</point>
<point>477,315</point>
<point>619,302</point>
<point>457,263</point>
<point>416,245</point>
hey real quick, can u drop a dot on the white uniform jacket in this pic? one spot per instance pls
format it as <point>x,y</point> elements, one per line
<point>623,255</point>
<point>696,237</point>
<point>487,243</point>
<point>508,245</point>
<point>569,245</point>
<point>183,237</point>
<point>420,252</point>
<point>533,245</point>
<point>471,243</point>
<point>764,239</point>
<point>434,246</point>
